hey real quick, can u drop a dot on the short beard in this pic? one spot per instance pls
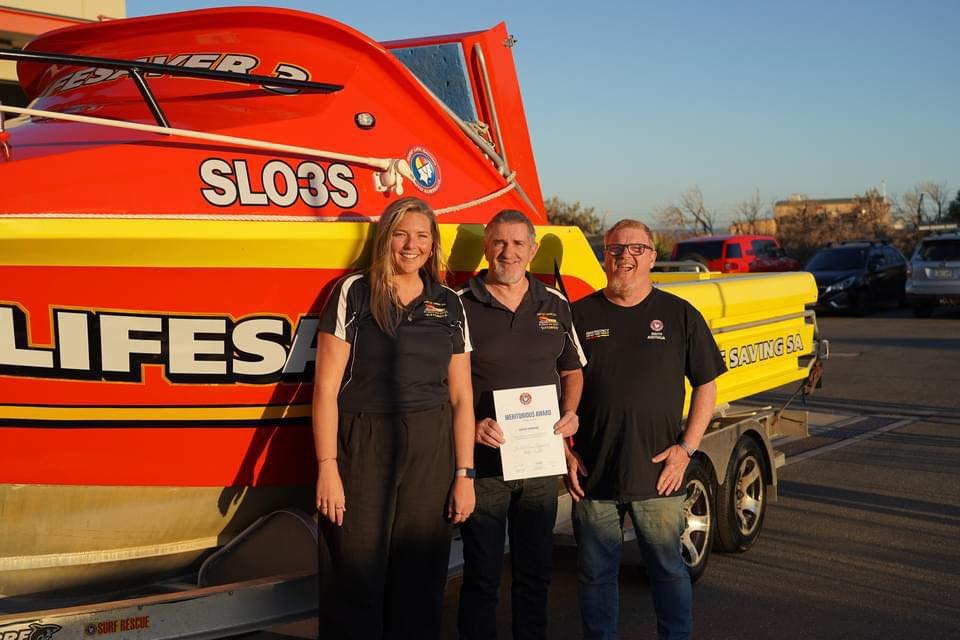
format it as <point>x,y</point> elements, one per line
<point>620,286</point>
<point>500,276</point>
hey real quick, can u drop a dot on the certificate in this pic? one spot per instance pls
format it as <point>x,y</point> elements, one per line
<point>527,416</point>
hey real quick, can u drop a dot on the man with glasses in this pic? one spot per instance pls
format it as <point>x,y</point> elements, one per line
<point>630,453</point>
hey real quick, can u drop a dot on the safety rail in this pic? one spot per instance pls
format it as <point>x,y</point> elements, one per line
<point>136,70</point>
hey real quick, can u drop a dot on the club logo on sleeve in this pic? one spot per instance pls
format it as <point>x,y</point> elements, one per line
<point>548,322</point>
<point>593,334</point>
<point>426,171</point>
<point>656,330</point>
<point>434,309</point>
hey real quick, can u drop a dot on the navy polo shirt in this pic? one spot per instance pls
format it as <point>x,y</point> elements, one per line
<point>522,348</point>
<point>406,372</point>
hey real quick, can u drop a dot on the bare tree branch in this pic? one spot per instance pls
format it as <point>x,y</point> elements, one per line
<point>672,217</point>
<point>692,215</point>
<point>748,214</point>
<point>937,194</point>
<point>692,203</point>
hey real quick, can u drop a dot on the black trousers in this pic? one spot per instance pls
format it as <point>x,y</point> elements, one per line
<point>389,559</point>
<point>530,507</point>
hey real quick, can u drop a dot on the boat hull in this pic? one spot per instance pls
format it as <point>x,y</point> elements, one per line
<point>67,539</point>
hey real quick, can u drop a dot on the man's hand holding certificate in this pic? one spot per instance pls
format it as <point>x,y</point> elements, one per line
<point>527,416</point>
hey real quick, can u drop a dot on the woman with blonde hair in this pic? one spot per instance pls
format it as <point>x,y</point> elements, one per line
<point>393,427</point>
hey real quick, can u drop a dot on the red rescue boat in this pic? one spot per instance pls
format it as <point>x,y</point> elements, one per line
<point>174,204</point>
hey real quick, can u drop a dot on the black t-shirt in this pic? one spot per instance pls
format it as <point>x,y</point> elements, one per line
<point>404,373</point>
<point>522,348</point>
<point>637,360</point>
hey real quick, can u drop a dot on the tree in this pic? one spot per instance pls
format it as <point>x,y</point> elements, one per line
<point>910,207</point>
<point>953,211</point>
<point>870,214</point>
<point>691,215</point>
<point>937,194</point>
<point>564,213</point>
<point>748,215</point>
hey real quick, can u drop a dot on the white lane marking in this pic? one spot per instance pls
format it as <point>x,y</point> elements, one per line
<point>844,443</point>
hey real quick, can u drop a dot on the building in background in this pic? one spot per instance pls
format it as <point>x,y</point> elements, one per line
<point>23,20</point>
<point>852,208</point>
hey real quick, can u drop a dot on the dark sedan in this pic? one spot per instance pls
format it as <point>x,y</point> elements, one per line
<point>855,276</point>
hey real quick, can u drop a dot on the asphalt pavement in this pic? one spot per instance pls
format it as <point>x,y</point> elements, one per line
<point>864,541</point>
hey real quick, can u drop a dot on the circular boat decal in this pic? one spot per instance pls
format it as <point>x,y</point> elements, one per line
<point>426,171</point>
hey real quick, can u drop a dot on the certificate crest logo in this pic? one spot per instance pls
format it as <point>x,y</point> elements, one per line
<point>426,171</point>
<point>525,398</point>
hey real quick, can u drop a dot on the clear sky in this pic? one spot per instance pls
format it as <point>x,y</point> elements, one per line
<point>631,103</point>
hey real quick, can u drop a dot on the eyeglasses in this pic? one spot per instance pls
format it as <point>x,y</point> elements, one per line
<point>636,249</point>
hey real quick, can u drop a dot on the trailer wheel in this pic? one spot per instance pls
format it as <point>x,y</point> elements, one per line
<point>698,512</point>
<point>742,500</point>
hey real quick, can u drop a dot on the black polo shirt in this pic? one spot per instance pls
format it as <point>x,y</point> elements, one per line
<point>521,348</point>
<point>633,387</point>
<point>407,372</point>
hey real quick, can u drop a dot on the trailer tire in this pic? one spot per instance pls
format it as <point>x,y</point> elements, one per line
<point>742,500</point>
<point>699,513</point>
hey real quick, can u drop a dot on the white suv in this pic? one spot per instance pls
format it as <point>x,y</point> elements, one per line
<point>933,277</point>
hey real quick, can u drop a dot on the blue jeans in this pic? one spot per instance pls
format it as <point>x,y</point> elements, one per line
<point>530,506</point>
<point>597,525</point>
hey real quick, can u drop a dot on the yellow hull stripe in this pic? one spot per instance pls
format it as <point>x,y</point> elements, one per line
<point>126,242</point>
<point>172,414</point>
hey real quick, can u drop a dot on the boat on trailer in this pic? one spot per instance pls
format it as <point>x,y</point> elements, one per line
<point>175,204</point>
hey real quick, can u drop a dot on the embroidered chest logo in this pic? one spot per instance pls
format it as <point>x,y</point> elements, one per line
<point>656,330</point>
<point>593,334</point>
<point>548,322</point>
<point>433,309</point>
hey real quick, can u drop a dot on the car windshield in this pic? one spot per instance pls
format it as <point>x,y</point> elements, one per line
<point>939,250</point>
<point>765,248</point>
<point>710,250</point>
<point>838,259</point>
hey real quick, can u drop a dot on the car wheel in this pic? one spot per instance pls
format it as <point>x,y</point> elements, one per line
<point>922,311</point>
<point>742,500</point>
<point>699,517</point>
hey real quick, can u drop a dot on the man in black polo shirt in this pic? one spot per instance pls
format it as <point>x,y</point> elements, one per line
<point>523,336</point>
<point>630,454</point>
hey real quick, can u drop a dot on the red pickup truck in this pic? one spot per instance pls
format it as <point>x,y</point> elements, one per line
<point>736,253</point>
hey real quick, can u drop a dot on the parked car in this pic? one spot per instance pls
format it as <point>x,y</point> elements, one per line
<point>735,253</point>
<point>934,274</point>
<point>772,257</point>
<point>855,276</point>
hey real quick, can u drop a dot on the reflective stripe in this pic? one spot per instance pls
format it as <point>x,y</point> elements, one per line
<point>572,334</point>
<point>465,327</point>
<point>341,329</point>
